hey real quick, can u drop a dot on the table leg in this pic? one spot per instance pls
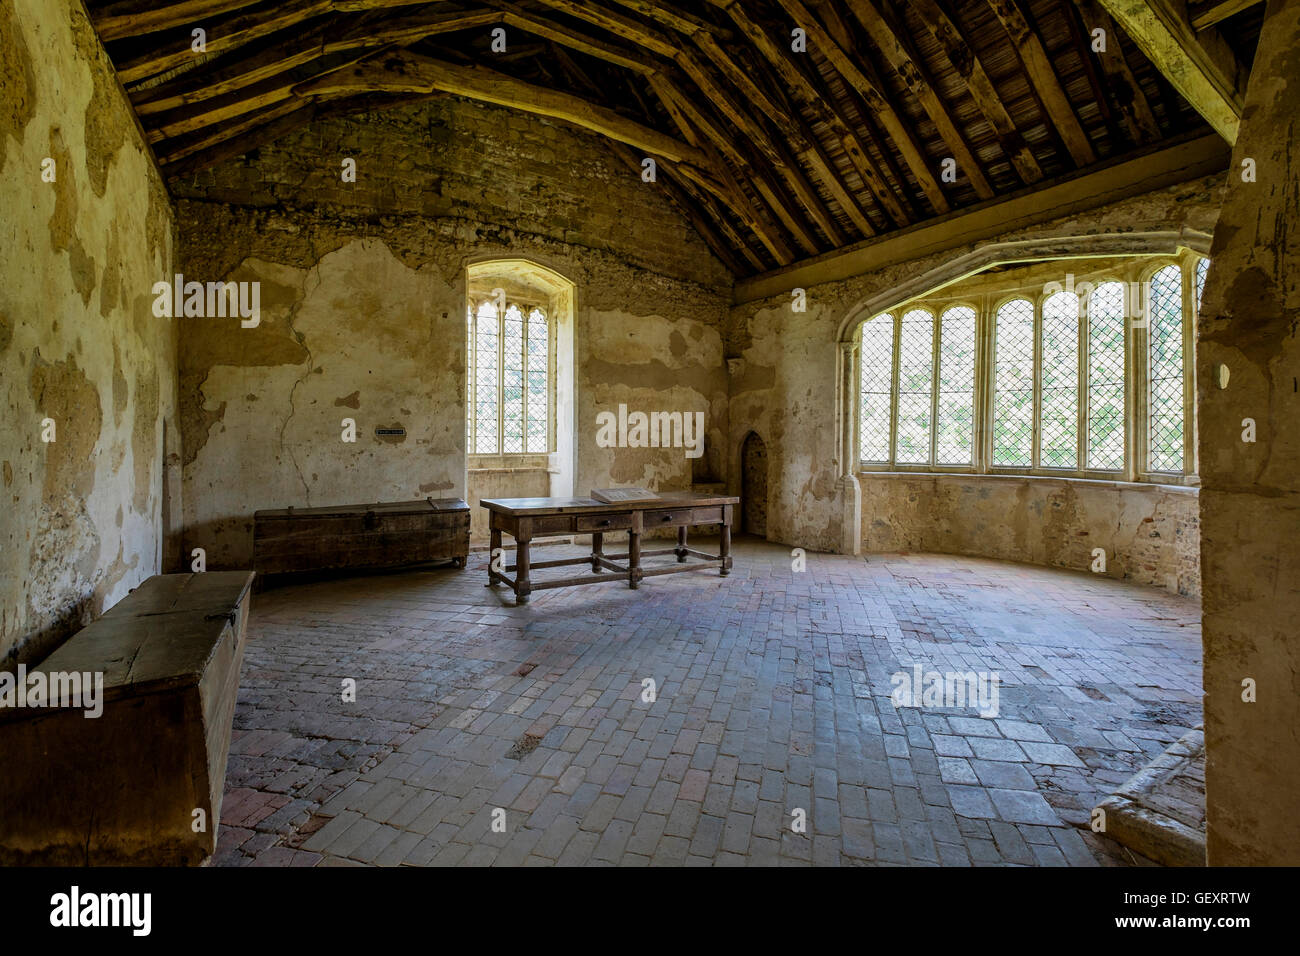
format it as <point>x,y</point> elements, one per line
<point>633,559</point>
<point>597,550</point>
<point>522,585</point>
<point>725,552</point>
<point>494,554</point>
<point>681,544</point>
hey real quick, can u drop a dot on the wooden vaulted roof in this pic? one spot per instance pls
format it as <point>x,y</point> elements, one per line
<point>897,111</point>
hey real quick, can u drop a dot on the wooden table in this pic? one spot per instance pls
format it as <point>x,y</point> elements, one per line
<point>527,518</point>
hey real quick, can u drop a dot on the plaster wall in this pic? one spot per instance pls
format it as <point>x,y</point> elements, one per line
<point>363,299</point>
<point>85,516</point>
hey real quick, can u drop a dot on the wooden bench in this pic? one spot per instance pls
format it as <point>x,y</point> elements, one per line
<point>380,535</point>
<point>123,788</point>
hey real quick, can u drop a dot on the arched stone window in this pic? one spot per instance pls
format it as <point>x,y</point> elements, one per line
<point>520,388</point>
<point>1084,378</point>
<point>510,377</point>
<point>917,388</point>
<point>1166,387</point>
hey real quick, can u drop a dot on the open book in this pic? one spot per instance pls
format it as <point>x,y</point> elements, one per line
<point>623,494</point>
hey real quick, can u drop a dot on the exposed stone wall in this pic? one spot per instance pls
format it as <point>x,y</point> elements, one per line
<point>83,516</point>
<point>1150,533</point>
<point>363,301</point>
<point>1250,498</point>
<point>786,387</point>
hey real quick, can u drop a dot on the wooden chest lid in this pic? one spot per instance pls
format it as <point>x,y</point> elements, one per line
<point>161,635</point>
<point>419,506</point>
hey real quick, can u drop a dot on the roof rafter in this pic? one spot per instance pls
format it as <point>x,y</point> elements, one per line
<point>1039,67</point>
<point>855,76</point>
<point>817,103</point>
<point>887,36</point>
<point>961,55</point>
<point>1132,102</point>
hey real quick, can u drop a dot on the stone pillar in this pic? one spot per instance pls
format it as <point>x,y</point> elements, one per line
<point>848,492</point>
<point>1250,492</point>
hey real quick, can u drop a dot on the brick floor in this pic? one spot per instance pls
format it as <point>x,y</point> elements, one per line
<point>485,734</point>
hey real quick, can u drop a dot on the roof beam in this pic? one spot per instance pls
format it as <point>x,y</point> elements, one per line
<point>634,60</point>
<point>647,36</point>
<point>829,13</point>
<point>741,119</point>
<point>815,100</point>
<point>274,89</point>
<point>1043,79</point>
<point>221,132</point>
<point>138,17</point>
<point>1120,80</point>
<point>719,140</point>
<point>226,36</point>
<point>1166,36</point>
<point>241,139</point>
<point>962,56</point>
<point>1210,12</point>
<point>1059,198</point>
<point>776,113</point>
<point>710,205</point>
<point>619,25</point>
<point>238,137</point>
<point>680,20</point>
<point>130,18</point>
<point>231,73</point>
<point>405,72</point>
<point>888,38</point>
<point>853,75</point>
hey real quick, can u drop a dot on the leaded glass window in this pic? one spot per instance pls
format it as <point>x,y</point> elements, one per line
<point>509,375</point>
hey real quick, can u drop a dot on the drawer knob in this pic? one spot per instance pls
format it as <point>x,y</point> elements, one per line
<point>605,523</point>
<point>668,518</point>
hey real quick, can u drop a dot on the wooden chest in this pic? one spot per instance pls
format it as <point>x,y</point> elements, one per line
<point>381,535</point>
<point>140,783</point>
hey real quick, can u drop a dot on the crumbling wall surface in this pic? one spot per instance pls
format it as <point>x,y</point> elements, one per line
<point>363,291</point>
<point>1250,495</point>
<point>85,226</point>
<point>784,387</point>
<point>1148,533</point>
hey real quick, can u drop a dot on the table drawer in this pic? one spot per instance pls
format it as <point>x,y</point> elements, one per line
<point>553,524</point>
<point>614,522</point>
<point>667,518</point>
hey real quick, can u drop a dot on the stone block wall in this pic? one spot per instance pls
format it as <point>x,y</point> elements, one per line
<point>1150,533</point>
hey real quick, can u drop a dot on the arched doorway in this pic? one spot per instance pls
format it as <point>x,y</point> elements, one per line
<point>753,486</point>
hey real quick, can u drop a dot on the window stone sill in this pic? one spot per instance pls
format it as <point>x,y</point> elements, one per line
<point>965,476</point>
